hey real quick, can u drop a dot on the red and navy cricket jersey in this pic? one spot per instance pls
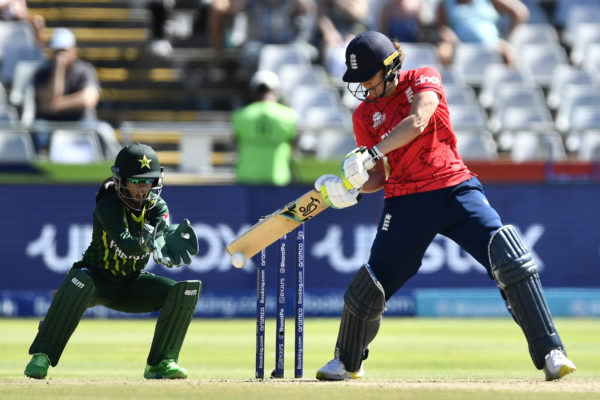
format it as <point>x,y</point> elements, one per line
<point>431,160</point>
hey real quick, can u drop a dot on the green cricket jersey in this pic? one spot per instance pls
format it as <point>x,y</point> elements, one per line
<point>115,245</point>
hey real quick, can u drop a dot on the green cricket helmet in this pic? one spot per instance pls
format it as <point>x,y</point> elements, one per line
<point>137,162</point>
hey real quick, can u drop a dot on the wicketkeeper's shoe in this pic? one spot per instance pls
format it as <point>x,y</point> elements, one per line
<point>335,370</point>
<point>557,365</point>
<point>38,366</point>
<point>166,369</point>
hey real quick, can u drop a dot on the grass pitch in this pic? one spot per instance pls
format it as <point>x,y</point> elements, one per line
<point>411,358</point>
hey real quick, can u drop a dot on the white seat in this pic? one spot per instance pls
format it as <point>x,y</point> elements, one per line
<point>274,56</point>
<point>326,132</point>
<point>304,97</point>
<point>564,76</point>
<point>74,147</point>
<point>589,148</point>
<point>16,146</point>
<point>498,75</point>
<point>584,35</point>
<point>533,34</point>
<point>541,60</point>
<point>463,95</point>
<point>449,76</point>
<point>563,8</point>
<point>23,77</point>
<point>537,146</point>
<point>579,12</point>
<point>470,61</point>
<point>574,96</point>
<point>476,145</point>
<point>511,96</point>
<point>534,118</point>
<point>293,75</point>
<point>417,55</point>
<point>591,61</point>
<point>467,117</point>
<point>20,45</point>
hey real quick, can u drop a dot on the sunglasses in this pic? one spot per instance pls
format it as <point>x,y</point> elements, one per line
<point>140,181</point>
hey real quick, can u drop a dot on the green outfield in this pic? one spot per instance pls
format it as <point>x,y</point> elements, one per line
<point>412,358</point>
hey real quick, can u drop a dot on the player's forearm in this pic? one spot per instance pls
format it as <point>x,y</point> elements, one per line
<point>402,134</point>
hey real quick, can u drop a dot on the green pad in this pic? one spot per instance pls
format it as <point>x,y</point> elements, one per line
<point>67,308</point>
<point>364,303</point>
<point>173,321</point>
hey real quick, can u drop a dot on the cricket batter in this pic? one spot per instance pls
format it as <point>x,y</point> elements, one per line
<point>429,190</point>
<point>131,221</point>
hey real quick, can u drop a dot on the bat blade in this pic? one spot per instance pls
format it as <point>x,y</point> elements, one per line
<point>277,224</point>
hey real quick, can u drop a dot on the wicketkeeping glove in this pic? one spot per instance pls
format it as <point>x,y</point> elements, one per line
<point>357,163</point>
<point>335,193</point>
<point>150,236</point>
<point>181,243</point>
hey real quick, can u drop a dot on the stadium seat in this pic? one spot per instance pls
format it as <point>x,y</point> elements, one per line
<point>564,76</point>
<point>74,147</point>
<point>537,146</point>
<point>304,97</point>
<point>20,44</point>
<point>591,61</point>
<point>533,34</point>
<point>293,75</point>
<point>588,149</point>
<point>574,96</point>
<point>274,56</point>
<point>584,35</point>
<point>497,76</point>
<point>463,95</point>
<point>512,96</point>
<point>326,132</point>
<point>467,117</point>
<point>476,146</point>
<point>16,146</point>
<point>471,60</point>
<point>541,60</point>
<point>578,12</point>
<point>419,55</point>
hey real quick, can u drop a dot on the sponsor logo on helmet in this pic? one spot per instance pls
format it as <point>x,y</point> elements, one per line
<point>427,79</point>
<point>145,162</point>
<point>353,61</point>
<point>378,119</point>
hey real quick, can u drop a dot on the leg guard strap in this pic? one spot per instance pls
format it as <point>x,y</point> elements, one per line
<point>364,303</point>
<point>173,321</point>
<point>63,316</point>
<point>516,273</point>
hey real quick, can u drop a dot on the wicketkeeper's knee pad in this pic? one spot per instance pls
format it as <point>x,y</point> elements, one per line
<point>364,304</point>
<point>516,273</point>
<point>173,321</point>
<point>68,305</point>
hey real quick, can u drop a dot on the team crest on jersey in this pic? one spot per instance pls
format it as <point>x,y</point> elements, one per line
<point>378,119</point>
<point>409,94</point>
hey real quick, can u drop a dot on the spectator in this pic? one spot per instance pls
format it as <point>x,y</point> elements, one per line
<point>476,21</point>
<point>264,131</point>
<point>347,16</point>
<point>402,20</point>
<point>67,89</point>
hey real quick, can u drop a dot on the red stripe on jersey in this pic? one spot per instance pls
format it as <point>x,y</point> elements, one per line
<point>431,160</point>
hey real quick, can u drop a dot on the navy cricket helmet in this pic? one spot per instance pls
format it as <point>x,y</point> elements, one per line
<point>367,53</point>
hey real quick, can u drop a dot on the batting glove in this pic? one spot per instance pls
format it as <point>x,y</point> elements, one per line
<point>335,193</point>
<point>357,163</point>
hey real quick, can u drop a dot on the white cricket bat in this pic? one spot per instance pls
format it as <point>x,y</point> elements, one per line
<point>277,224</point>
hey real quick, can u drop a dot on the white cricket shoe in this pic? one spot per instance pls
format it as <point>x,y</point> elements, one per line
<point>335,370</point>
<point>557,365</point>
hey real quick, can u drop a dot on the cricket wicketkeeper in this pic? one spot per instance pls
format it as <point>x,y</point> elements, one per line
<point>131,221</point>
